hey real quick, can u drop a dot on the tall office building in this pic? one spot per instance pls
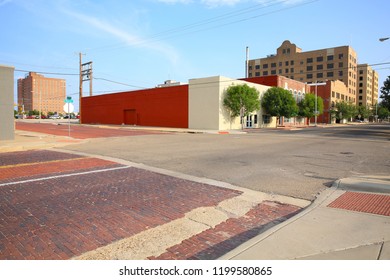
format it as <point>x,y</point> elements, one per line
<point>338,63</point>
<point>367,86</point>
<point>36,92</point>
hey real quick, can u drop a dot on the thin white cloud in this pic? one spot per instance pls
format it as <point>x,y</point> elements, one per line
<point>3,2</point>
<point>220,3</point>
<point>125,36</point>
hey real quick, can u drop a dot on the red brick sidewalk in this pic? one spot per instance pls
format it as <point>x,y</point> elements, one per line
<point>215,242</point>
<point>80,131</point>
<point>63,217</point>
<point>58,206</point>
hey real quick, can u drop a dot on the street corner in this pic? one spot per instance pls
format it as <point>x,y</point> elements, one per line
<point>58,205</point>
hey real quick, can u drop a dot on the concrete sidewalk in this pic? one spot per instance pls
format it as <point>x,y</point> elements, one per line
<point>327,230</point>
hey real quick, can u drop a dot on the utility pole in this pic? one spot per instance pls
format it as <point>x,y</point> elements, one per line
<point>85,75</point>
<point>80,86</point>
<point>247,63</point>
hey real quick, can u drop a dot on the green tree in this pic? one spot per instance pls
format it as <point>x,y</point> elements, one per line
<point>383,113</point>
<point>307,106</point>
<point>279,102</point>
<point>33,113</point>
<point>385,94</point>
<point>363,112</point>
<point>345,110</point>
<point>241,100</point>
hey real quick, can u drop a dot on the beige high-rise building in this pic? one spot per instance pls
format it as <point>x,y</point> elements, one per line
<point>367,86</point>
<point>36,92</point>
<point>338,63</point>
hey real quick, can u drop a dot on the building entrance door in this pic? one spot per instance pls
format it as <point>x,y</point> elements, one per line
<point>249,121</point>
<point>130,117</point>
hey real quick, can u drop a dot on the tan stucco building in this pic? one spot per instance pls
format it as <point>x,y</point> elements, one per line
<point>7,123</point>
<point>367,86</point>
<point>206,109</point>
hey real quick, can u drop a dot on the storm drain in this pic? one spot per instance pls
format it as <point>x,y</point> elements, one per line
<point>363,202</point>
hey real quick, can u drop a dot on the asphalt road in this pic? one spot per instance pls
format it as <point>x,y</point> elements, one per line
<point>297,163</point>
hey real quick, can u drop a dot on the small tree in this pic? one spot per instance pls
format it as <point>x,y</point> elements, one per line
<point>385,94</point>
<point>307,106</point>
<point>241,100</point>
<point>383,113</point>
<point>279,102</point>
<point>345,110</point>
<point>363,112</point>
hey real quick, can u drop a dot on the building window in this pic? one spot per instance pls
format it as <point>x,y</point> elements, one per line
<point>291,70</point>
<point>341,65</point>
<point>257,67</point>
<point>309,60</point>
<point>265,73</point>
<point>273,72</point>
<point>255,119</point>
<point>320,58</point>
<point>286,63</point>
<point>257,74</point>
<point>266,119</point>
<point>309,76</point>
<point>360,97</point>
<point>329,74</point>
<point>309,68</point>
<point>292,62</point>
<point>250,67</point>
<point>360,84</point>
<point>360,78</point>
<point>330,65</point>
<point>320,67</point>
<point>330,57</point>
<point>273,65</point>
<point>341,56</point>
<point>286,70</point>
<point>280,71</point>
<point>280,64</point>
<point>340,73</point>
<point>265,66</point>
<point>320,75</point>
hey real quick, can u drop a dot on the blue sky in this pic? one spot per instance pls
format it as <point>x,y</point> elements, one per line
<point>139,44</point>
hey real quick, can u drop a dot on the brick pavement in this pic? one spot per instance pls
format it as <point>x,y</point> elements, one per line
<point>378,204</point>
<point>63,217</point>
<point>215,242</point>
<point>80,131</point>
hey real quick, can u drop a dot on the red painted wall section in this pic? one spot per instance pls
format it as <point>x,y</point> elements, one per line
<point>162,107</point>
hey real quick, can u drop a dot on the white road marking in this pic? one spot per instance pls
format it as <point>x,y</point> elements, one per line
<point>63,176</point>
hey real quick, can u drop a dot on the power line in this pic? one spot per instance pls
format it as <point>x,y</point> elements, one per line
<point>120,83</point>
<point>179,30</point>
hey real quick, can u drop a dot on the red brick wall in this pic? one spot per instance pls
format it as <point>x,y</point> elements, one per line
<point>163,107</point>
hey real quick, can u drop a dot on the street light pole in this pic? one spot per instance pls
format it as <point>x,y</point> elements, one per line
<point>315,112</point>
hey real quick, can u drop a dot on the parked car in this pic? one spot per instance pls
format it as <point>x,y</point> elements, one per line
<point>54,117</point>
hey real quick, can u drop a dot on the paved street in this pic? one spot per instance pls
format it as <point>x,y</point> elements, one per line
<point>296,163</point>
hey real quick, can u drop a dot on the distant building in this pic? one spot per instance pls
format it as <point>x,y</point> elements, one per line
<point>338,63</point>
<point>331,92</point>
<point>367,86</point>
<point>169,83</point>
<point>36,92</point>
